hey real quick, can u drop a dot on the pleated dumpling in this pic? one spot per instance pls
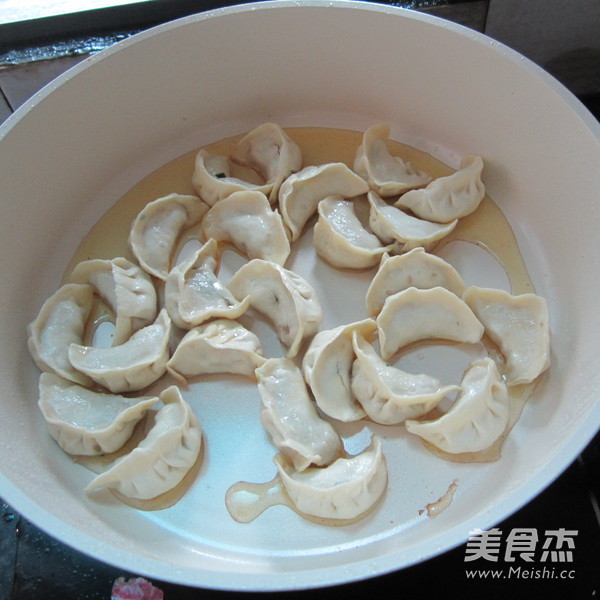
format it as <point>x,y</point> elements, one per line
<point>386,174</point>
<point>162,458</point>
<point>284,297</point>
<point>221,346</point>
<point>414,315</point>
<point>194,294</point>
<point>519,326</point>
<point>389,395</point>
<point>448,198</point>
<point>301,192</point>
<point>477,418</point>
<point>60,323</point>
<point>291,419</point>
<point>131,366</point>
<point>157,229</point>
<point>84,422</point>
<point>390,224</point>
<point>416,268</point>
<point>271,152</point>
<point>247,221</point>
<point>213,179</point>
<point>327,368</point>
<point>346,489</point>
<point>340,238</point>
<point>126,288</point>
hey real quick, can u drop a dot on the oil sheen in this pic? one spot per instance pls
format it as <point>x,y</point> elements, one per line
<point>487,227</point>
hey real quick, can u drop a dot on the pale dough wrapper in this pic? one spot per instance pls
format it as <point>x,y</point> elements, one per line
<point>386,174</point>
<point>126,288</point>
<point>60,323</point>
<point>346,489</point>
<point>284,297</point>
<point>290,417</point>
<point>477,418</point>
<point>247,221</point>
<point>519,326</point>
<point>327,368</point>
<point>162,458</point>
<point>157,228</point>
<point>194,294</point>
<point>389,395</point>
<point>88,423</point>
<point>132,366</point>
<point>416,268</point>
<point>301,192</point>
<point>414,315</point>
<point>340,238</point>
<point>221,346</point>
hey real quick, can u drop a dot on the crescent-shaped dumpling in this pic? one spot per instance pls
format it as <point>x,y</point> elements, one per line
<point>194,294</point>
<point>162,458</point>
<point>389,395</point>
<point>301,192</point>
<point>390,224</point>
<point>284,297</point>
<point>156,230</point>
<point>477,418</point>
<point>88,423</point>
<point>519,326</point>
<point>212,179</point>
<point>60,323</point>
<point>346,489</point>
<point>327,368</point>
<point>448,198</point>
<point>290,417</point>
<point>270,152</point>
<point>247,221</point>
<point>413,315</point>
<point>340,238</point>
<point>125,288</point>
<point>386,174</point>
<point>131,366</point>
<point>416,268</point>
<point>221,346</point>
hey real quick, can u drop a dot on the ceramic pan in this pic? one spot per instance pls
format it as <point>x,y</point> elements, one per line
<point>88,137</point>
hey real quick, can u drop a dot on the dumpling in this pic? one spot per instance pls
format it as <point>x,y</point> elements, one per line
<point>389,395</point>
<point>246,220</point>
<point>221,346</point>
<point>88,423</point>
<point>125,288</point>
<point>340,238</point>
<point>413,315</point>
<point>519,326</point>
<point>162,458</point>
<point>284,297</point>
<point>290,417</point>
<point>212,179</point>
<point>448,198</point>
<point>327,368</point>
<point>60,323</point>
<point>157,228</point>
<point>269,151</point>
<point>416,268</point>
<point>301,192</point>
<point>477,418</point>
<point>194,294</point>
<point>346,489</point>
<point>386,174</point>
<point>131,366</point>
<point>390,224</point>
